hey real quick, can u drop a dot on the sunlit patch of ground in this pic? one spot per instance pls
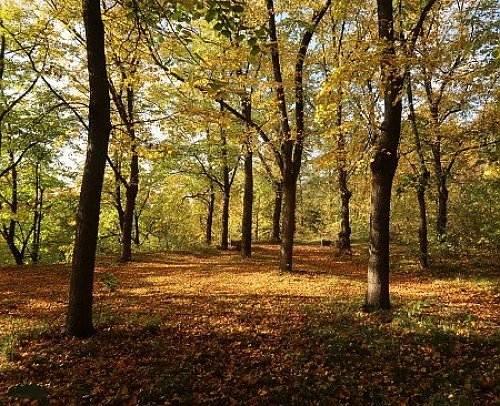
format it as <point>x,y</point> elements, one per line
<point>212,328</point>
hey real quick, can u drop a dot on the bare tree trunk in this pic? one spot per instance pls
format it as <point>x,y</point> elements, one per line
<point>345,227</point>
<point>137,235</point>
<point>288,223</point>
<point>246,223</point>
<point>79,316</point>
<point>210,216</point>
<point>423,180</point>
<point>442,214</point>
<point>224,243</point>
<point>278,202</point>
<point>37,217</point>
<point>131,198</point>
<point>422,228</point>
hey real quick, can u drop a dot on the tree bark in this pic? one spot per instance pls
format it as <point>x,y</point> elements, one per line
<point>383,166</point>
<point>210,216</point>
<point>344,243</point>
<point>79,316</point>
<point>37,218</point>
<point>224,244</point>
<point>423,242</point>
<point>278,202</point>
<point>442,214</point>
<point>246,223</point>
<point>131,198</point>
<point>423,176</point>
<point>288,223</point>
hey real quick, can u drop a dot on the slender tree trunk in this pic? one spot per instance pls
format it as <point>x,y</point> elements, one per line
<point>128,218</point>
<point>9,233</point>
<point>246,226</point>
<point>442,214</point>
<point>288,223</point>
<point>345,227</point>
<point>226,186</point>
<point>278,202</point>
<point>422,228</point>
<point>37,218</point>
<point>210,216</point>
<point>79,316</point>
<point>225,222</point>
<point>246,223</point>
<point>423,180</point>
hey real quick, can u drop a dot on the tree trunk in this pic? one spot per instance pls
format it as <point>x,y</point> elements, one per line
<point>278,201</point>
<point>423,181</point>
<point>79,316</point>
<point>246,224</point>
<point>246,221</point>
<point>345,227</point>
<point>37,218</point>
<point>288,223</point>
<point>225,222</point>
<point>384,164</point>
<point>383,169</point>
<point>442,215</point>
<point>137,236</point>
<point>422,229</point>
<point>131,195</point>
<point>210,216</point>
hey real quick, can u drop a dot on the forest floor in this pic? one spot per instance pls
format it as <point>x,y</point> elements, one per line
<point>211,328</point>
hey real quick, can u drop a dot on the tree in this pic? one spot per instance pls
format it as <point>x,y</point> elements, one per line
<point>79,315</point>
<point>385,150</point>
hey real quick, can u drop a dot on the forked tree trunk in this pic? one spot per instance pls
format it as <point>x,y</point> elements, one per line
<point>79,316</point>
<point>278,202</point>
<point>384,164</point>
<point>288,223</point>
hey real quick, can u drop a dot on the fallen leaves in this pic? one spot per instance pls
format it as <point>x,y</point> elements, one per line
<point>221,331</point>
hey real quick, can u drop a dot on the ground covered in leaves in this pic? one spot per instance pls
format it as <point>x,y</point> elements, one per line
<point>211,328</point>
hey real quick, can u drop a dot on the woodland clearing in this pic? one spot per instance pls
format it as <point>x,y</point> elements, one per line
<point>212,328</point>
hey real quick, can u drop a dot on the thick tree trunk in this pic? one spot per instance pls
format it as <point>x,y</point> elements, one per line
<point>137,235</point>
<point>246,224</point>
<point>344,242</point>
<point>278,202</point>
<point>79,316</point>
<point>288,223</point>
<point>210,217</point>
<point>383,169</point>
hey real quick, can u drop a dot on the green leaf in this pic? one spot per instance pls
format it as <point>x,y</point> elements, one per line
<point>30,391</point>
